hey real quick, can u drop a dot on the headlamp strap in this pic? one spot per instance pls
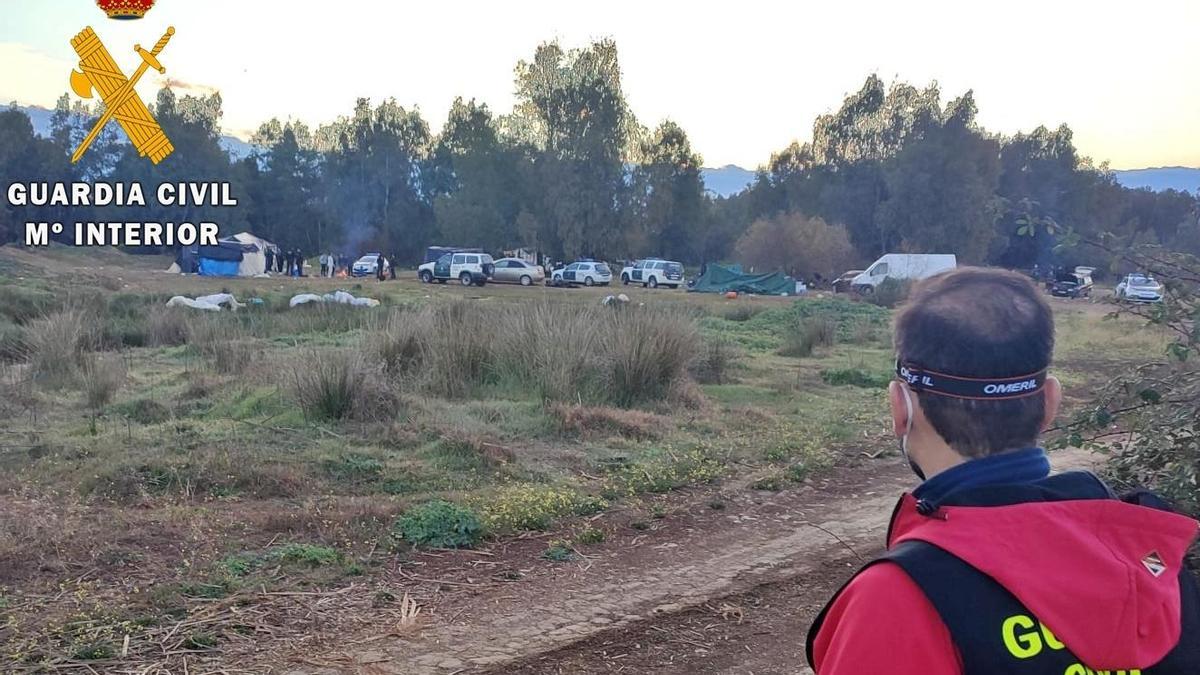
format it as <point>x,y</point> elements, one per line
<point>923,380</point>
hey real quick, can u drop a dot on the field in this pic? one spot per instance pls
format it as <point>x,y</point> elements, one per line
<point>286,490</point>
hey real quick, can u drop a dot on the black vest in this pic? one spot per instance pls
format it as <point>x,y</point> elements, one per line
<point>997,635</point>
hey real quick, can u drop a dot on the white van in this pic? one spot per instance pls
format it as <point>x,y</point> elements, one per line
<point>903,266</point>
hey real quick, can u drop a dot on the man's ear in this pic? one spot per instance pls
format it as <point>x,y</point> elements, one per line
<point>899,410</point>
<point>1052,395</point>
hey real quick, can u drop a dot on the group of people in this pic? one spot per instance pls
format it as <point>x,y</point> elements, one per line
<point>384,269</point>
<point>291,263</point>
<point>285,262</point>
<point>331,264</point>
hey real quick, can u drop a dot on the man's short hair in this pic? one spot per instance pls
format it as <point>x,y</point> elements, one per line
<point>977,322</point>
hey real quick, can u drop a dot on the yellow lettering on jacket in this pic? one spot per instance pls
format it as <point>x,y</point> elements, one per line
<point>1021,637</point>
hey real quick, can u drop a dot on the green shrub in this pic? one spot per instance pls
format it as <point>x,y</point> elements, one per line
<point>810,333</point>
<point>55,345</point>
<point>22,304</point>
<point>558,551</point>
<point>890,292</point>
<point>354,468</point>
<point>855,377</point>
<point>534,507</point>
<point>591,535</point>
<point>440,524</point>
<point>715,361</point>
<point>143,411</point>
<point>309,555</point>
<point>100,379</point>
<point>647,354</point>
<point>742,312</point>
<point>337,385</point>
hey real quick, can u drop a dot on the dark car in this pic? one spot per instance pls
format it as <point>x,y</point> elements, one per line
<point>1072,285</point>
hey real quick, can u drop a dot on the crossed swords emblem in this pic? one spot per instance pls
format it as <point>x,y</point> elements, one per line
<point>98,72</point>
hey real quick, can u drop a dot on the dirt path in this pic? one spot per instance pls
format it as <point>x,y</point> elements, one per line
<point>729,590</point>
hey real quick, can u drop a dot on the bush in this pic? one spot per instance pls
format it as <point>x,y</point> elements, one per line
<point>22,304</point>
<point>534,507</point>
<point>101,378</point>
<point>589,420</point>
<point>558,551</point>
<point>337,385</point>
<point>855,377</point>
<point>715,361</point>
<point>810,333</point>
<point>440,524</point>
<point>12,341</point>
<point>742,312</point>
<point>890,292</point>
<point>55,345</point>
<point>167,327</point>
<point>646,354</point>
<point>399,343</point>
<point>143,411</point>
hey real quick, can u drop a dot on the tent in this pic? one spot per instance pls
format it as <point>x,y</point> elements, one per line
<point>723,278</point>
<point>241,255</point>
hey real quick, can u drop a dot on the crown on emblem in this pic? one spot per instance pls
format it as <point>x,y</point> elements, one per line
<point>125,9</point>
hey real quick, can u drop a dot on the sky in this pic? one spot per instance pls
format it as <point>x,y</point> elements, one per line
<point>743,78</point>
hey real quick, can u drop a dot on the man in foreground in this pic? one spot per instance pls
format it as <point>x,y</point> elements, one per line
<point>993,565</point>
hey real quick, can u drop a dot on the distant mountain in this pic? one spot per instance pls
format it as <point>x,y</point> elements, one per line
<point>727,180</point>
<point>40,118</point>
<point>1183,178</point>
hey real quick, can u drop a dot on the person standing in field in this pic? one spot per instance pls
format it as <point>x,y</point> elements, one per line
<point>324,262</point>
<point>993,565</point>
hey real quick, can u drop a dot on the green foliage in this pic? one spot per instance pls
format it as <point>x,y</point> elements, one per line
<point>440,524</point>
<point>810,333</point>
<point>533,507</point>
<point>142,411</point>
<point>309,555</point>
<point>559,551</point>
<point>353,468</point>
<point>855,377</point>
<point>715,362</point>
<point>890,292</point>
<point>591,535</point>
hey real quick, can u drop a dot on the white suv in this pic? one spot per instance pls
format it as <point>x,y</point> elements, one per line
<point>653,272</point>
<point>468,268</point>
<point>587,273</point>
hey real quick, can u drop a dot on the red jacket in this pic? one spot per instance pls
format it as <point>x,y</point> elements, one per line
<point>1080,566</point>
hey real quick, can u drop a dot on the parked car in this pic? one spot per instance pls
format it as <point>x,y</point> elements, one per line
<point>517,271</point>
<point>365,266</point>
<point>468,268</point>
<point>653,272</point>
<point>1076,284</point>
<point>588,273</point>
<point>903,267</point>
<point>842,283</point>
<point>432,253</point>
<point>1139,288</point>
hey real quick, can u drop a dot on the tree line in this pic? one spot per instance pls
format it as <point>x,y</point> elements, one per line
<point>570,172</point>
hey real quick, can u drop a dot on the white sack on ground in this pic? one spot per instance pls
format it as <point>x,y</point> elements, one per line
<point>221,299</point>
<point>180,301</point>
<point>339,297</point>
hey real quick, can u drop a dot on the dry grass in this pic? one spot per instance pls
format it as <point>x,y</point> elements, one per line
<point>55,345</point>
<point>604,420</point>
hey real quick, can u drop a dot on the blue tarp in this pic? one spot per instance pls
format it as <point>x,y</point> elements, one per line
<point>219,268</point>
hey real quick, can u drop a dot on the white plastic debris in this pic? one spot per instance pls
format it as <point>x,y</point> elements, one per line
<point>339,297</point>
<point>221,300</point>
<point>180,301</point>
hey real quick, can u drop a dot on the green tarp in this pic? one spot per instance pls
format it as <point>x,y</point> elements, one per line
<point>723,278</point>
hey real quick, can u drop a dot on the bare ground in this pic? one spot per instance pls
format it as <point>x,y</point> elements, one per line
<point>729,590</point>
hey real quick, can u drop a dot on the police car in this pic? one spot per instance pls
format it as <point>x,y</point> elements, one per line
<point>653,272</point>
<point>468,268</point>
<point>586,272</point>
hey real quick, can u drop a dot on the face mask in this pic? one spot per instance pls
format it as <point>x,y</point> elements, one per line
<point>908,407</point>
